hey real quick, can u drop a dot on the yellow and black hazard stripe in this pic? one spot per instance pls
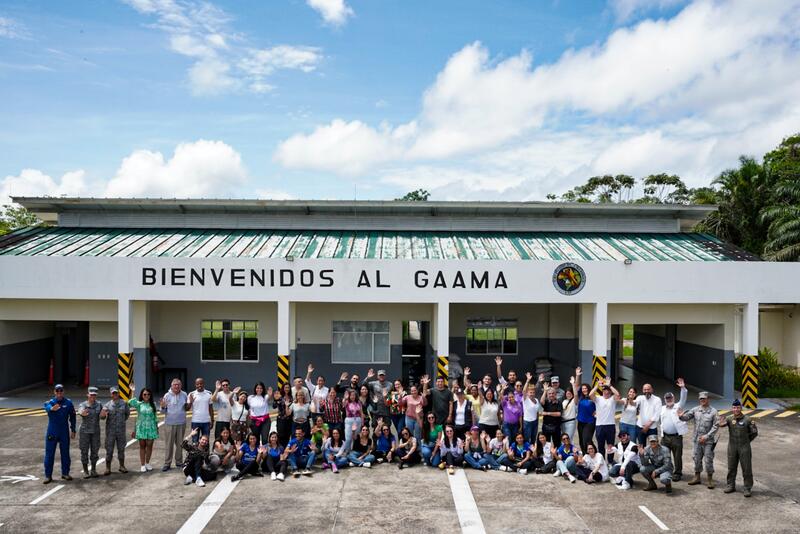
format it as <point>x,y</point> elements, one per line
<point>750,381</point>
<point>599,368</point>
<point>283,370</point>
<point>125,374</point>
<point>441,367</point>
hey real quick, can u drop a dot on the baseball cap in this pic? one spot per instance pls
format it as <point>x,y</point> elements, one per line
<point>475,427</point>
<point>651,438</point>
<point>381,372</point>
<point>59,386</point>
<point>554,378</point>
<point>622,433</point>
<point>92,390</point>
<point>702,395</point>
<point>112,389</point>
<point>736,402</point>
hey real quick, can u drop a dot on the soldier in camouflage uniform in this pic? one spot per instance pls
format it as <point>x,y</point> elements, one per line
<point>705,437</point>
<point>656,462</point>
<point>116,413</point>
<point>741,431</point>
<point>89,432</point>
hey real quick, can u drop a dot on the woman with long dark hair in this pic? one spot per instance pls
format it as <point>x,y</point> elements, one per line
<point>365,399</point>
<point>333,452</point>
<point>452,450</point>
<point>592,466</point>
<point>407,452</point>
<point>519,456</point>
<point>354,417</point>
<point>489,420</point>
<point>240,414</point>
<point>280,400</point>
<point>259,411</point>
<point>586,416</point>
<point>544,454</point>
<point>275,458</point>
<point>146,425</point>
<point>627,420</point>
<point>431,434</point>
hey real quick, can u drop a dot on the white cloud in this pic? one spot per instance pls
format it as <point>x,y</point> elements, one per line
<point>12,29</point>
<point>626,9</point>
<point>685,95</point>
<point>33,182</point>
<point>273,194</point>
<point>199,169</point>
<point>333,12</point>
<point>223,61</point>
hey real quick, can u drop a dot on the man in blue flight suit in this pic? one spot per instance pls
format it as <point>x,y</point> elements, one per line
<point>60,429</point>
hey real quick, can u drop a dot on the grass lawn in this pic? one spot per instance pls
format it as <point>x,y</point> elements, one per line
<point>627,332</point>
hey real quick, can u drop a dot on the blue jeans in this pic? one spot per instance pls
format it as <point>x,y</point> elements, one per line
<point>349,423</point>
<point>398,420</point>
<point>632,430</point>
<point>307,459</point>
<point>510,430</point>
<point>205,428</point>
<point>426,455</point>
<point>641,435</point>
<point>495,461</point>
<point>477,463</point>
<point>567,466</point>
<point>353,457</point>
<point>329,457</point>
<point>529,429</point>
<point>413,427</point>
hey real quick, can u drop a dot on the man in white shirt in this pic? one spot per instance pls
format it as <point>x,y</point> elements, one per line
<point>199,402</point>
<point>628,461</point>
<point>649,407</point>
<point>318,391</point>
<point>673,429</point>
<point>174,405</point>
<point>221,400</point>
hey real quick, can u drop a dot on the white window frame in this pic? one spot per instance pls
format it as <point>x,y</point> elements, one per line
<point>490,323</point>
<point>224,330</point>
<point>373,360</point>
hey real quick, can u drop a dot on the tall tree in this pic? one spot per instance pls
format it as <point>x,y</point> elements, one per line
<point>664,189</point>
<point>15,217</point>
<point>782,215</point>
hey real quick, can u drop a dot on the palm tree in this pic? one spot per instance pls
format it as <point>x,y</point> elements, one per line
<point>782,214</point>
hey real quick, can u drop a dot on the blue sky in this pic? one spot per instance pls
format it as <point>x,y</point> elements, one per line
<point>504,100</point>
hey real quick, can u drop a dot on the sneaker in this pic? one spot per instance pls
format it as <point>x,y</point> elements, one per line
<point>451,470</point>
<point>503,468</point>
<point>148,467</point>
<point>334,468</point>
<point>273,476</point>
<point>200,483</point>
<point>556,474</point>
<point>572,479</point>
<point>485,467</point>
<point>522,471</point>
<point>236,477</point>
<point>123,470</point>
<point>188,481</point>
<point>143,469</point>
<point>366,464</point>
<point>86,474</point>
<point>66,477</point>
<point>747,493</point>
<point>234,471</point>
<point>307,472</point>
<point>380,460</point>
<point>619,480</point>
<point>624,485</point>
<point>281,477</point>
<point>47,480</point>
<point>351,464</point>
<point>165,469</point>
<point>400,465</point>
<point>296,474</point>
<point>442,465</point>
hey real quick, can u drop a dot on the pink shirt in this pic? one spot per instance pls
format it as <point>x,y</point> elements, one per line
<point>352,409</point>
<point>410,404</point>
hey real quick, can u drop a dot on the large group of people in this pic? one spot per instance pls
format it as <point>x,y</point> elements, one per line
<point>357,423</point>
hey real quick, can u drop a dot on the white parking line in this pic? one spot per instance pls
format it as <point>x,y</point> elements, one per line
<point>205,512</point>
<point>131,442</point>
<point>40,498</point>
<point>468,515</point>
<point>660,524</point>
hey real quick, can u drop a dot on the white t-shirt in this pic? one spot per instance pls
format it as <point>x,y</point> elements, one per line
<point>489,414</point>
<point>649,410</point>
<point>223,407</point>
<point>530,409</point>
<point>605,409</point>
<point>628,413</point>
<point>239,413</point>
<point>200,401</point>
<point>259,406</point>
<point>593,462</point>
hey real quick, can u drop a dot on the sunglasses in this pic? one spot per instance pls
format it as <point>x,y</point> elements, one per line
<point>385,429</point>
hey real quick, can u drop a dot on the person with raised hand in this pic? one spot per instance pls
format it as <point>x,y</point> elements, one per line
<point>531,409</point>
<point>61,422</point>
<point>146,431</point>
<point>361,450</point>
<point>544,454</point>
<point>332,410</point>
<point>302,452</point>
<point>281,398</point>
<point>476,448</point>
<point>385,442</point>
<point>199,402</point>
<point>407,452</point>
<point>566,458</point>
<point>116,413</point>
<point>221,400</point>
<point>198,467</point>
<point>174,405</point>
<point>431,434</point>
<point>249,457</point>
<point>259,403</point>
<point>354,417</point>
<point>240,414</point>
<point>412,405</point>
<point>451,448</point>
<point>276,461</point>
<point>318,391</point>
<point>518,456</point>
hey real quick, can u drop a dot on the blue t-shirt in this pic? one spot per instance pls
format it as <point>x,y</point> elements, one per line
<point>249,454</point>
<point>586,409</point>
<point>302,448</point>
<point>562,453</point>
<point>519,450</point>
<point>384,444</point>
<point>276,452</point>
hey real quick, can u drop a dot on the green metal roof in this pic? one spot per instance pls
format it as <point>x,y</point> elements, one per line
<point>181,243</point>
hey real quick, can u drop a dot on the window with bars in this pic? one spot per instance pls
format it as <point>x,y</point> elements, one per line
<point>228,340</point>
<point>360,342</point>
<point>492,336</point>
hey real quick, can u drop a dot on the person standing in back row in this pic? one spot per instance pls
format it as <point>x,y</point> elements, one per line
<point>649,407</point>
<point>673,428</point>
<point>221,401</point>
<point>173,404</point>
<point>60,429</point>
<point>704,440</point>
<point>199,402</point>
<point>89,433</point>
<point>116,413</point>
<point>741,431</point>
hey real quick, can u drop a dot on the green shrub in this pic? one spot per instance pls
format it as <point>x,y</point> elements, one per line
<point>774,379</point>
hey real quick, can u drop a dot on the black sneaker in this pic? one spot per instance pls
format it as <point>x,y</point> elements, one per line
<point>165,468</point>
<point>258,474</point>
<point>47,480</point>
<point>236,477</point>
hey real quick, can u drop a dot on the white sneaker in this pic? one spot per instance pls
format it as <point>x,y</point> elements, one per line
<point>572,479</point>
<point>522,471</point>
<point>351,464</point>
<point>556,474</point>
<point>148,467</point>
<point>618,480</point>
<point>366,464</point>
<point>625,485</point>
<point>273,476</point>
<point>188,481</point>
<point>143,469</point>
<point>200,483</point>
<point>281,477</point>
<point>503,468</point>
<point>234,471</point>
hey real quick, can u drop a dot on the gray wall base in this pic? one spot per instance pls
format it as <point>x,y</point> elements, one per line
<point>25,363</point>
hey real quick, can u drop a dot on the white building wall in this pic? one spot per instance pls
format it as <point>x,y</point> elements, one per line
<point>21,331</point>
<point>180,321</point>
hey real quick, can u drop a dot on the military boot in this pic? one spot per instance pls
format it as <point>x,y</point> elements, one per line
<point>710,484</point>
<point>668,487</point>
<point>108,468</point>
<point>695,481</point>
<point>729,489</point>
<point>651,485</point>
<point>122,467</point>
<point>93,472</point>
<point>86,473</point>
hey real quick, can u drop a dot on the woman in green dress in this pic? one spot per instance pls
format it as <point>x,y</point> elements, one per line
<point>146,425</point>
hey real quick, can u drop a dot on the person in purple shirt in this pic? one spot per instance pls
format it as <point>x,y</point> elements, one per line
<point>512,415</point>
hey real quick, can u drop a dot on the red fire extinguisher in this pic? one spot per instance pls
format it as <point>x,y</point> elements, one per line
<point>51,373</point>
<point>86,373</point>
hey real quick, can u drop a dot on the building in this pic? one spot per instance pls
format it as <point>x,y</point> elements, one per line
<point>256,290</point>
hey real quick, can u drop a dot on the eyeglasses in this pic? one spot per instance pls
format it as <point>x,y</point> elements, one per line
<point>385,429</point>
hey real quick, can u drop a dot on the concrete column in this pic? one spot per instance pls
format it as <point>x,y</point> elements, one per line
<point>442,326</point>
<point>750,355</point>
<point>284,336</point>
<point>600,367</point>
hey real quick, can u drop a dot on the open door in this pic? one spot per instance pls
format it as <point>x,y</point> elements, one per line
<point>415,342</point>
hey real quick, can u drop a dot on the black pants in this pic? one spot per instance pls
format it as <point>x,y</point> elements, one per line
<point>273,464</point>
<point>284,429</point>
<point>585,434</point>
<point>410,459</point>
<point>511,463</point>
<point>261,431</point>
<point>538,463</point>
<point>491,430</point>
<point>584,473</point>
<point>380,454</point>
<point>196,468</point>
<point>248,469</point>
<point>552,433</point>
<point>461,431</point>
<point>450,459</point>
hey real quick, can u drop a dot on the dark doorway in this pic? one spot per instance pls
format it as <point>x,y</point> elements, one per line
<point>71,348</point>
<point>415,350</point>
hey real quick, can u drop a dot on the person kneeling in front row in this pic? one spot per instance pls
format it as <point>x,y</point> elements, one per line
<point>198,468</point>
<point>629,461</point>
<point>656,462</point>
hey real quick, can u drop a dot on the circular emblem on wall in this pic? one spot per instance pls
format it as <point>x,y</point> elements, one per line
<point>569,278</point>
